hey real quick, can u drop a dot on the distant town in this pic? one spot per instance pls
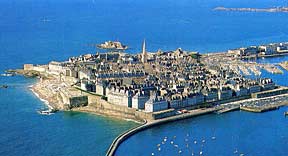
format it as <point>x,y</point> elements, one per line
<point>156,85</point>
<point>272,9</point>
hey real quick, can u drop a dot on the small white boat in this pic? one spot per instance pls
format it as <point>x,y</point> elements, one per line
<point>7,74</point>
<point>45,112</point>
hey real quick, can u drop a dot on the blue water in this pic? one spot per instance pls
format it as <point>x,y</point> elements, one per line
<point>249,133</point>
<point>25,132</point>
<point>40,31</point>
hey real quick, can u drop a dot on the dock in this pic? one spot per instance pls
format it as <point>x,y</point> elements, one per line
<point>264,108</point>
<point>228,109</point>
<point>284,65</point>
<point>259,109</point>
<point>272,69</point>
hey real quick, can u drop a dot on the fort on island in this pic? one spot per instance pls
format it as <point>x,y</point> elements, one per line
<point>154,85</point>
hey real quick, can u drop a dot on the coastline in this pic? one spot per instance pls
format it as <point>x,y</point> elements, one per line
<point>108,116</point>
<point>58,90</point>
<point>272,9</point>
<point>46,102</point>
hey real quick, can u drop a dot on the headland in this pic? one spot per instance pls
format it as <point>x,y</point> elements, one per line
<point>159,87</point>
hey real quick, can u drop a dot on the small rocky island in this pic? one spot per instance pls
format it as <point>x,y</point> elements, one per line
<point>273,9</point>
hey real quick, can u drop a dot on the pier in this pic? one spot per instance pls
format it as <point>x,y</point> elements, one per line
<point>122,137</point>
<point>228,108</point>
<point>272,69</point>
<point>284,65</point>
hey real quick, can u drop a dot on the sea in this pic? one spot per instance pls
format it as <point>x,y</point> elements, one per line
<point>39,31</point>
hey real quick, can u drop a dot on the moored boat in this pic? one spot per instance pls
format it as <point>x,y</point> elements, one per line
<point>47,112</point>
<point>4,86</point>
<point>8,74</point>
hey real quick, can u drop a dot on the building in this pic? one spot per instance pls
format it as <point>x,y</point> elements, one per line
<point>28,67</point>
<point>267,84</point>
<point>85,74</point>
<point>155,104</point>
<point>139,100</point>
<point>224,93</point>
<point>177,102</point>
<point>241,90</point>
<point>253,50</point>
<point>211,95</point>
<point>101,88</point>
<point>55,67</point>
<point>118,96</point>
<point>254,88</point>
<point>88,85</point>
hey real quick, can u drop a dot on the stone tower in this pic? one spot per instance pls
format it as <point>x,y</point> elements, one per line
<point>144,53</point>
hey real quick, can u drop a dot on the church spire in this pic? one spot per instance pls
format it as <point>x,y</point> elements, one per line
<point>144,53</point>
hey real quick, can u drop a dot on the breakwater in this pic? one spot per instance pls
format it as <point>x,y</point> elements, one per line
<point>263,106</point>
<point>122,137</point>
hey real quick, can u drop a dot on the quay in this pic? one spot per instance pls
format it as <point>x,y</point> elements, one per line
<point>122,137</point>
<point>259,109</point>
<point>228,109</point>
<point>264,108</point>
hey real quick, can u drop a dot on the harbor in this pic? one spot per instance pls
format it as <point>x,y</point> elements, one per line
<point>74,62</point>
<point>136,88</point>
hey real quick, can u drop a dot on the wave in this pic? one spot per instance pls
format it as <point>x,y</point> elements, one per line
<point>41,99</point>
